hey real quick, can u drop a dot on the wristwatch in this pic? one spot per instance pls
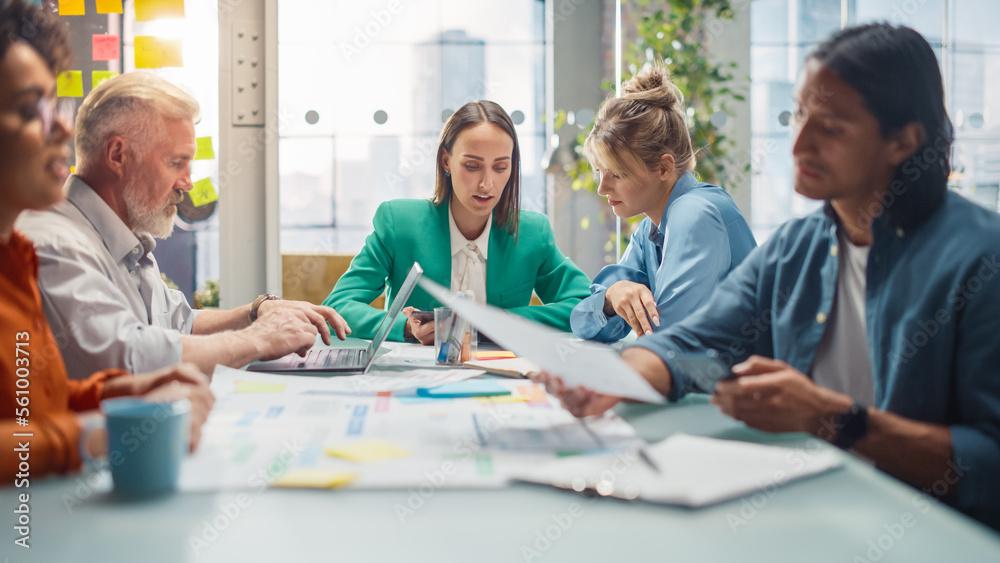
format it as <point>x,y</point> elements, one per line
<point>256,304</point>
<point>852,425</point>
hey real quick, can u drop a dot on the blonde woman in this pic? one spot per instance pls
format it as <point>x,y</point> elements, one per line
<point>693,234</point>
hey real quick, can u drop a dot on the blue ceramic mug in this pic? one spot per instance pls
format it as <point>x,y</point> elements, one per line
<point>146,444</point>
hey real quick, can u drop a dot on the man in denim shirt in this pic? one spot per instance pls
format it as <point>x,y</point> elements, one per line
<point>880,310</point>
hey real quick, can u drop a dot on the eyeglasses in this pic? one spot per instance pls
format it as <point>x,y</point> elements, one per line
<point>50,109</point>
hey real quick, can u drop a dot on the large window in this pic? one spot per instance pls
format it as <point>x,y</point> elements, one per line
<point>961,32</point>
<point>364,88</point>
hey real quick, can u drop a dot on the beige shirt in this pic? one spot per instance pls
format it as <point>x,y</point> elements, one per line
<point>468,259</point>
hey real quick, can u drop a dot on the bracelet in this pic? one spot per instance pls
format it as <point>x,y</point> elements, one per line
<point>257,302</point>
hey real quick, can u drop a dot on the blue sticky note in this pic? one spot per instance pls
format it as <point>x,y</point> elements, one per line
<point>468,388</point>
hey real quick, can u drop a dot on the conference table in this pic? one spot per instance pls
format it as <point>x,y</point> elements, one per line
<point>852,514</point>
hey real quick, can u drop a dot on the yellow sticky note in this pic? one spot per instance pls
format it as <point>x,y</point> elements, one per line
<point>372,450</point>
<point>313,479</point>
<point>157,52</point>
<point>503,399</point>
<point>72,169</point>
<point>109,7</point>
<point>70,83</point>
<point>258,387</point>
<point>71,8</point>
<point>203,193</point>
<point>495,355</point>
<point>98,76</point>
<point>149,10</point>
<point>205,151</point>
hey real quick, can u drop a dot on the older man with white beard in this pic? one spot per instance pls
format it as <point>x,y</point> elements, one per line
<point>101,286</point>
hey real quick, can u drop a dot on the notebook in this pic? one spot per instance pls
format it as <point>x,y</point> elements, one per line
<point>345,360</point>
<point>691,470</point>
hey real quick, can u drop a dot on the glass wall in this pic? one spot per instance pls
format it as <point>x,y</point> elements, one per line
<point>961,34</point>
<point>364,88</point>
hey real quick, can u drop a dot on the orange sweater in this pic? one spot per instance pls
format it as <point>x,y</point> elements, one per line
<point>33,383</point>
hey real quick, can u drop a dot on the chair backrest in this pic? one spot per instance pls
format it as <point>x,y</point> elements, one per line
<point>311,277</point>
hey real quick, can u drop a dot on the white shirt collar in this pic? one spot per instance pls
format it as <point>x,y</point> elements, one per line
<point>458,240</point>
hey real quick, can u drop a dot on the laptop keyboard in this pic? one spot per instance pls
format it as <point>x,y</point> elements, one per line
<point>334,358</point>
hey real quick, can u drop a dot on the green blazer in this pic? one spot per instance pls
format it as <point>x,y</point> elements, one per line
<point>415,230</point>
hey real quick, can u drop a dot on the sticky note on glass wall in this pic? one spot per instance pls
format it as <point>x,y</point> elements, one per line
<point>205,151</point>
<point>157,52</point>
<point>203,193</point>
<point>150,10</point>
<point>106,48</point>
<point>99,76</point>
<point>71,7</point>
<point>109,7</point>
<point>70,83</point>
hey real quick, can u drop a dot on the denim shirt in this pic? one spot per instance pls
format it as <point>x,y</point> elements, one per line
<point>933,325</point>
<point>701,237</point>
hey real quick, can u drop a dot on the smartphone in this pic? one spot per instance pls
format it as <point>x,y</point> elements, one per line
<point>423,316</point>
<point>704,367</point>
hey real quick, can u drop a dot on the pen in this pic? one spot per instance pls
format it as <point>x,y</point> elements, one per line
<point>644,456</point>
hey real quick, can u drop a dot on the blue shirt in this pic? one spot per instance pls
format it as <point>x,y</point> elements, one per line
<point>932,308</point>
<point>701,237</point>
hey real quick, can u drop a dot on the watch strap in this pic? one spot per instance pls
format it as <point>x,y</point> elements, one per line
<point>255,306</point>
<point>852,426</point>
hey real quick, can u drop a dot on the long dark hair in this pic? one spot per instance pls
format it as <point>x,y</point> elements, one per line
<point>895,71</point>
<point>473,113</point>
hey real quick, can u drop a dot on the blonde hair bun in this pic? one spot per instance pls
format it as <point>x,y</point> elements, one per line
<point>652,85</point>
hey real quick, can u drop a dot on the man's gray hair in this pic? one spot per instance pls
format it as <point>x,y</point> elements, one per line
<point>132,106</point>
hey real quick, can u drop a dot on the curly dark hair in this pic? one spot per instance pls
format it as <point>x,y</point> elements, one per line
<point>21,21</point>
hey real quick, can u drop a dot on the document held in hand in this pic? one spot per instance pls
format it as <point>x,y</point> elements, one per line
<point>576,362</point>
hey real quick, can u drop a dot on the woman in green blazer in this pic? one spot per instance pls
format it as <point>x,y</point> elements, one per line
<point>473,222</point>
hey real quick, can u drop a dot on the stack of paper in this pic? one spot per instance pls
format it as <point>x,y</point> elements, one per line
<point>692,471</point>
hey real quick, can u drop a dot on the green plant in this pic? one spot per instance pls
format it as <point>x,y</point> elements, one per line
<point>208,297</point>
<point>677,32</point>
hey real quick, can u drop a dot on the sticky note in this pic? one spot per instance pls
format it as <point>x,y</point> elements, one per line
<point>71,8</point>
<point>70,83</point>
<point>494,355</point>
<point>157,52</point>
<point>109,7</point>
<point>503,399</point>
<point>258,387</point>
<point>98,76</point>
<point>364,452</point>
<point>106,47</point>
<point>203,193</point>
<point>313,479</point>
<point>150,10</point>
<point>205,151</point>
<point>468,388</point>
<point>72,169</point>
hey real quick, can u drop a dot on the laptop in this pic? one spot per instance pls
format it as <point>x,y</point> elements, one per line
<point>345,360</point>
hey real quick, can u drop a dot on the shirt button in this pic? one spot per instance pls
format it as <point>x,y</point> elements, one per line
<point>833,250</point>
<point>132,272</point>
<point>821,317</point>
<point>135,250</point>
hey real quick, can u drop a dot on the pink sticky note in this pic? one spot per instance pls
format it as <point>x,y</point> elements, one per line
<point>106,48</point>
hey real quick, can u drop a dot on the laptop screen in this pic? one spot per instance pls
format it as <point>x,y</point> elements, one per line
<point>397,305</point>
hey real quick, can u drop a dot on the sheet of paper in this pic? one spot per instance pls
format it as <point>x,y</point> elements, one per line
<point>576,362</point>
<point>367,451</point>
<point>70,83</point>
<point>204,151</point>
<point>509,367</point>
<point>405,354</point>
<point>693,471</point>
<point>105,47</point>
<point>203,193</point>
<point>151,10</point>
<point>372,383</point>
<point>109,7</point>
<point>157,52</point>
<point>98,76</point>
<point>71,7</point>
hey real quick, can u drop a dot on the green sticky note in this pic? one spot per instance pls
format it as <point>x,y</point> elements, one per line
<point>109,7</point>
<point>202,193</point>
<point>372,450</point>
<point>70,83</point>
<point>258,387</point>
<point>205,151</point>
<point>150,10</point>
<point>98,76</point>
<point>71,8</point>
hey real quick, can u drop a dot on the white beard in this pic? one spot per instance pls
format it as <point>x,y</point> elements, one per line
<point>158,223</point>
